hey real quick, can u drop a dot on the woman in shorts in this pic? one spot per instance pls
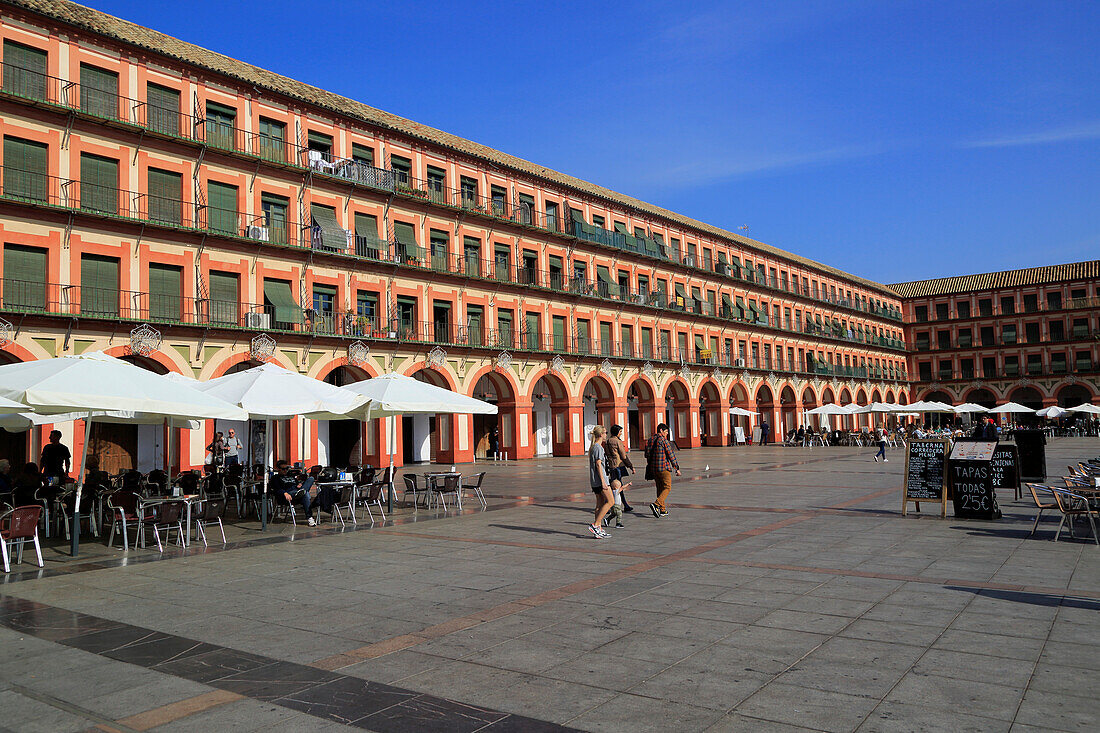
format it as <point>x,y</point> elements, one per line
<point>598,480</point>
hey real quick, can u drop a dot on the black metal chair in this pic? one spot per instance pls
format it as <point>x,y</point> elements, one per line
<point>213,510</point>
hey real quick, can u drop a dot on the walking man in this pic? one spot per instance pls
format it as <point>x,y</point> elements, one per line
<point>661,463</point>
<point>233,449</point>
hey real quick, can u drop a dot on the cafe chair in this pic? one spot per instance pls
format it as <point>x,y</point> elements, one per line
<point>412,483</point>
<point>164,515</point>
<point>19,525</point>
<point>346,501</point>
<point>1042,506</point>
<point>1072,506</point>
<point>126,512</point>
<point>373,497</point>
<point>212,511</point>
<point>283,507</point>
<point>450,485</point>
<point>87,513</point>
<point>473,484</point>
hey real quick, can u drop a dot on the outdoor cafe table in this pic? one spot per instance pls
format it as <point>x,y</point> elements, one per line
<point>331,490</point>
<point>431,477</point>
<point>188,500</point>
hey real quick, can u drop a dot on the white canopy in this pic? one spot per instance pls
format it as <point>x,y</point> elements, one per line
<point>924,406</point>
<point>878,407</point>
<point>741,411</point>
<point>1052,411</point>
<point>6,404</point>
<point>829,409</point>
<point>271,392</point>
<point>98,382</point>
<point>17,422</point>
<point>395,394</point>
<point>1010,407</point>
<point>967,407</point>
<point>1087,408</point>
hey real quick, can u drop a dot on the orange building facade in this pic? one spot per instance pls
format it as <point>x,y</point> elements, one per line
<point>1030,336</point>
<point>198,215</point>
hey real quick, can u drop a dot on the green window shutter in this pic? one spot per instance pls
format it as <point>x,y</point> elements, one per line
<point>165,291</point>
<point>362,154</point>
<point>559,333</point>
<point>98,184</point>
<point>406,246</point>
<point>319,141</point>
<point>274,220</point>
<point>272,141</point>
<point>221,208</point>
<point>24,283</point>
<point>367,242</point>
<point>25,70</point>
<point>278,296</point>
<point>326,231</point>
<point>98,285</point>
<point>165,189</point>
<point>531,322</point>
<point>99,91</point>
<point>162,113</point>
<point>26,170</point>
<point>224,297</point>
<point>219,125</point>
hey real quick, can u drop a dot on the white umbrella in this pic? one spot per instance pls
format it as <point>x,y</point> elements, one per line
<point>1087,408</point>
<point>829,409</point>
<point>741,411</point>
<point>1052,411</point>
<point>875,407</point>
<point>94,382</point>
<point>17,422</point>
<point>968,407</point>
<point>7,404</point>
<point>271,392</point>
<point>923,406</point>
<point>1011,407</point>
<point>395,394</point>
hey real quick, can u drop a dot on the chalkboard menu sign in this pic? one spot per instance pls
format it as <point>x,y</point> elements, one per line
<point>925,474</point>
<point>972,489</point>
<point>1033,454</point>
<point>1006,462</point>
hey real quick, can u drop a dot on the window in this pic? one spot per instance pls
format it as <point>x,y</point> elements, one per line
<point>558,327</point>
<point>24,70</point>
<point>26,172</point>
<point>99,91</point>
<point>279,302</point>
<point>1008,333</point>
<point>502,263</point>
<point>506,329</point>
<point>942,312</point>
<point>1012,366</point>
<point>165,291</point>
<point>367,243</point>
<point>404,242</point>
<point>98,184</point>
<point>920,313</point>
<point>499,196</point>
<point>272,140</point>
<point>325,230</point>
<point>165,191</point>
<point>440,243</point>
<point>1035,364</point>
<point>406,316</point>
<point>1008,305</point>
<point>220,121</point>
<point>1031,331</point>
<point>987,336</point>
<point>24,277</point>
<point>1031,303</point>
<point>606,344</point>
<point>1058,363</point>
<point>626,341</point>
<point>276,228</point>
<point>402,168</point>
<point>1082,361</point>
<point>531,323</point>
<point>921,341</point>
<point>966,368</point>
<point>1054,300</point>
<point>647,343</point>
<point>962,308</point>
<point>556,272</point>
<point>599,221</point>
<point>471,255</point>
<point>526,209</point>
<point>924,369</point>
<point>469,191</point>
<point>584,343</point>
<point>362,154</point>
<point>162,109</point>
<point>320,142</point>
<point>552,217</point>
<point>99,283</point>
<point>1057,330</point>
<point>1078,294</point>
<point>965,339</point>
<point>943,339</point>
<point>945,369</point>
<point>1080,328</point>
<point>324,299</point>
<point>366,311</point>
<point>221,208</point>
<point>437,184</point>
<point>224,297</point>
<point>985,307</point>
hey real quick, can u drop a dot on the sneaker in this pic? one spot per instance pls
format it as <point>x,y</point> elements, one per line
<point>311,522</point>
<point>885,460</point>
<point>664,512</point>
<point>656,512</point>
<point>597,532</point>
<point>627,507</point>
<point>619,525</point>
<point>876,459</point>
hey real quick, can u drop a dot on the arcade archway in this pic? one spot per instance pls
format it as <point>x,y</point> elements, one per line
<point>1072,395</point>
<point>16,447</point>
<point>788,413</point>
<point>340,442</point>
<point>710,415</point>
<point>549,416</point>
<point>641,410</point>
<point>982,396</point>
<point>598,399</point>
<point>677,413</point>
<point>495,434</point>
<point>765,406</point>
<point>809,402</point>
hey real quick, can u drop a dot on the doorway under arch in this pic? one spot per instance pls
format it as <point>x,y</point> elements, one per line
<point>710,415</point>
<point>677,415</point>
<point>550,415</point>
<point>641,409</point>
<point>598,399</point>
<point>764,406</point>
<point>494,433</point>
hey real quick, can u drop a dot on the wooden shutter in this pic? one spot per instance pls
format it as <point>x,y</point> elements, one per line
<point>219,125</point>
<point>24,277</point>
<point>272,140</point>
<point>165,291</point>
<point>224,297</point>
<point>164,191</point>
<point>98,184</point>
<point>25,70</point>
<point>362,154</point>
<point>98,285</point>
<point>559,333</point>
<point>26,169</point>
<point>162,109</point>
<point>277,293</point>
<point>99,91</point>
<point>221,208</point>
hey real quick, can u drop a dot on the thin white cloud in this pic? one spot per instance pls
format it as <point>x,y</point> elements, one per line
<point>1063,134</point>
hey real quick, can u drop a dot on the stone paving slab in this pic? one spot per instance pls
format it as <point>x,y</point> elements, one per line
<point>784,592</point>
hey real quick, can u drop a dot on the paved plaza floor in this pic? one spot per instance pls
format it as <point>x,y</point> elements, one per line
<point>785,591</point>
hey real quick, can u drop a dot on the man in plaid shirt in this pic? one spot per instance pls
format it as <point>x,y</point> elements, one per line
<point>662,462</point>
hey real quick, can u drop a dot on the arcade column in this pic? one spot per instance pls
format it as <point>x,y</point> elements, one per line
<point>572,443</point>
<point>694,432</point>
<point>718,429</point>
<point>455,436</point>
<point>521,442</point>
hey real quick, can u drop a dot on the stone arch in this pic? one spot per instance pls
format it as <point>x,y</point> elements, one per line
<point>1028,396</point>
<point>1072,395</point>
<point>641,410</point>
<point>157,362</point>
<point>827,396</point>
<point>501,389</point>
<point>148,363</point>
<point>939,395</point>
<point>788,410</point>
<point>347,442</point>
<point>340,366</point>
<point>890,397</point>
<point>549,397</point>
<point>809,399</point>
<point>16,446</point>
<point>677,411</point>
<point>982,396</point>
<point>876,396</point>
<point>845,397</point>
<point>711,419</point>
<point>229,363</point>
<point>597,404</point>
<point>738,394</point>
<point>861,396</point>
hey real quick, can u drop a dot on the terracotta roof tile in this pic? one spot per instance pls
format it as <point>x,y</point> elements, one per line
<point>129,33</point>
<point>1089,270</point>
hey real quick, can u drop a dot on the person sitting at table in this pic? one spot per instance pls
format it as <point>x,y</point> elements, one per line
<point>25,484</point>
<point>5,476</point>
<point>293,488</point>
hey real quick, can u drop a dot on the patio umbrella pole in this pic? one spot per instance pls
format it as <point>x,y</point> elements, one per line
<point>263,498</point>
<point>80,486</point>
<point>393,438</point>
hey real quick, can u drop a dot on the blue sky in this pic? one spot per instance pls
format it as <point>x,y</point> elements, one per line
<point>896,140</point>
